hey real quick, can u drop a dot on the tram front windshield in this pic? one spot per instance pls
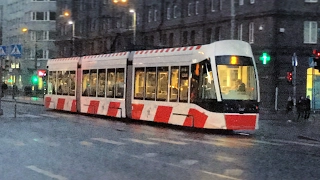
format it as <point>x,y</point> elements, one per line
<point>237,78</point>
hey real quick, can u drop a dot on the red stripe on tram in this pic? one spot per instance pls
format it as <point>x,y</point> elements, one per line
<point>197,118</point>
<point>163,114</point>
<point>93,107</point>
<point>137,111</point>
<point>47,102</point>
<point>60,104</point>
<point>113,109</point>
<point>74,106</point>
<point>239,121</point>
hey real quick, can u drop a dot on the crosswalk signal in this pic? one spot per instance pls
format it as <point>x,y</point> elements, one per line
<point>289,77</point>
<point>316,59</point>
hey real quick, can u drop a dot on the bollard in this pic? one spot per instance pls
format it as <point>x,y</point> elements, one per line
<point>15,108</point>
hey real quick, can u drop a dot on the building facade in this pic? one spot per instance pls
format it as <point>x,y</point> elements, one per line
<point>278,29</point>
<point>31,24</point>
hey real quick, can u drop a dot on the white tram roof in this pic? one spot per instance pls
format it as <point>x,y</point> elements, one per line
<point>191,54</point>
<point>62,64</point>
<point>105,60</point>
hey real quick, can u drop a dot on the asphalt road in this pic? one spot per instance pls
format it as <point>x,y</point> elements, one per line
<point>40,144</point>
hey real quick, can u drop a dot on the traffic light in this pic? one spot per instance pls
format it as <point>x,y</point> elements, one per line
<point>289,77</point>
<point>265,58</point>
<point>34,79</point>
<point>316,59</point>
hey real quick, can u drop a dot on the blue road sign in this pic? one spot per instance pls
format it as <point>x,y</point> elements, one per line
<point>3,51</point>
<point>16,50</point>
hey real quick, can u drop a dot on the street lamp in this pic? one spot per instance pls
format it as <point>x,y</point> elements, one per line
<point>73,36</point>
<point>134,24</point>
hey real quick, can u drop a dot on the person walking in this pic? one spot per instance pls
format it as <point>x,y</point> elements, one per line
<point>301,107</point>
<point>307,110</point>
<point>289,104</point>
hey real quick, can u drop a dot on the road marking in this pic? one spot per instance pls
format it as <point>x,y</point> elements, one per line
<point>46,142</point>
<point>46,173</point>
<point>140,141</point>
<point>296,143</point>
<point>220,175</point>
<point>14,142</point>
<point>179,166</point>
<point>28,115</point>
<point>86,143</point>
<point>108,141</point>
<point>168,141</point>
<point>48,115</point>
<point>188,162</point>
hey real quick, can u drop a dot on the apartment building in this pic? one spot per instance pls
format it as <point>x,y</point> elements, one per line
<point>29,24</point>
<point>278,29</point>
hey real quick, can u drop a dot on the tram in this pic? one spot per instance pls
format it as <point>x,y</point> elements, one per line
<point>212,86</point>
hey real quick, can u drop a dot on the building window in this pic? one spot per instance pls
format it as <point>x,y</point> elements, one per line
<point>213,5</point>
<point>175,11</point>
<point>155,15</point>
<point>43,16</point>
<point>310,31</point>
<point>168,13</point>
<point>251,1</point>
<point>185,38</point>
<point>240,31</point>
<point>208,36</point>
<point>217,34</point>
<point>193,37</point>
<point>197,7</point>
<point>311,1</point>
<point>189,9</point>
<point>251,33</point>
<point>241,2</point>
<point>149,16</point>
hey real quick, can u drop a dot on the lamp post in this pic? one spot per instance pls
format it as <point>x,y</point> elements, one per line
<point>73,36</point>
<point>134,24</point>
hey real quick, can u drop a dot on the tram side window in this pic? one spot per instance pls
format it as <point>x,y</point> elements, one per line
<point>62,82</point>
<point>72,83</point>
<point>194,88</point>
<point>150,83</point>
<point>52,82</point>
<point>101,82</point>
<point>93,83</point>
<point>111,79</point>
<point>162,88</point>
<point>206,89</point>
<point>184,84</point>
<point>174,84</point>
<point>139,83</point>
<point>119,83</point>
<point>85,82</point>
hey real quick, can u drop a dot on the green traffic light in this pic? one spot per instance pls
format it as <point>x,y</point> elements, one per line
<point>265,58</point>
<point>34,79</point>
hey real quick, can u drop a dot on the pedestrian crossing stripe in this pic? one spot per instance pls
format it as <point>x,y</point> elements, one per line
<point>15,50</point>
<point>3,51</point>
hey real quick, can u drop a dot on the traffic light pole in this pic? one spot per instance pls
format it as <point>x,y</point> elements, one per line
<point>1,111</point>
<point>294,79</point>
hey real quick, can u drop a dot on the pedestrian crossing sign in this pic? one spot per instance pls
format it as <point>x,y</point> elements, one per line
<point>16,50</point>
<point>3,51</point>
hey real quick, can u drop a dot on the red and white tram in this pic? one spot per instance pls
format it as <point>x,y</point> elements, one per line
<point>213,86</point>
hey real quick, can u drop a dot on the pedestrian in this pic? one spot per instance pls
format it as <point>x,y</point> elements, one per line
<point>301,107</point>
<point>4,87</point>
<point>307,110</point>
<point>289,104</point>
